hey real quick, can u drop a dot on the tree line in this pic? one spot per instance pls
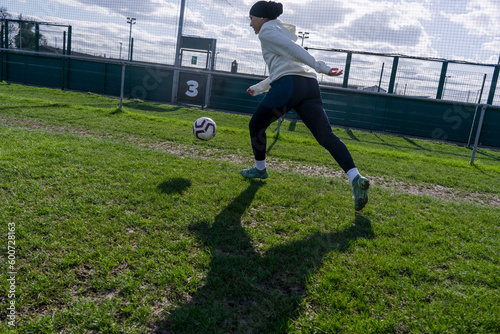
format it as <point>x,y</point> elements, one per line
<point>21,31</point>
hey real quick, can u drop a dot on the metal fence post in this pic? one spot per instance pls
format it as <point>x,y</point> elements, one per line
<point>122,87</point>
<point>175,82</point>
<point>381,75</point>
<point>394,71</point>
<point>5,44</point>
<point>6,32</point>
<point>442,80</point>
<point>210,65</point>
<point>68,51</point>
<point>475,112</point>
<point>37,37</point>
<point>493,86</point>
<point>478,133</point>
<point>347,69</point>
<point>131,48</point>
<point>64,43</point>
<point>1,65</point>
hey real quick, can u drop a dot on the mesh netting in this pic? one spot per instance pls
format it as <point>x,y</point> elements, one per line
<point>455,30</point>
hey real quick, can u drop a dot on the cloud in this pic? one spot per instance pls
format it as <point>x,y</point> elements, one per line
<point>377,27</point>
<point>373,26</point>
<point>494,45</point>
<point>410,27</point>
<point>57,7</point>
<point>481,19</point>
<point>396,24</point>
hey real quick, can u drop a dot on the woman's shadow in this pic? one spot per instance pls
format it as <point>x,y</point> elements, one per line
<point>249,292</point>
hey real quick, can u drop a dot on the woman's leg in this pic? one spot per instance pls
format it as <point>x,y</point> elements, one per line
<point>312,113</point>
<point>314,117</point>
<point>260,121</point>
<point>272,107</point>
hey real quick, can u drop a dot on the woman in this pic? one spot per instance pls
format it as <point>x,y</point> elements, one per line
<point>292,84</point>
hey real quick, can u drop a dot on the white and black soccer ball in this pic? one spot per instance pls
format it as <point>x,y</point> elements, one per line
<point>204,128</point>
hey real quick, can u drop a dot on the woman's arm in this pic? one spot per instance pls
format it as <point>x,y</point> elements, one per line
<point>260,87</point>
<point>276,42</point>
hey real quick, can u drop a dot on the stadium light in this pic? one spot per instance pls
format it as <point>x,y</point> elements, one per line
<point>131,21</point>
<point>303,35</point>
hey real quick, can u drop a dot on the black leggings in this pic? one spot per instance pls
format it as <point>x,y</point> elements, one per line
<point>303,95</point>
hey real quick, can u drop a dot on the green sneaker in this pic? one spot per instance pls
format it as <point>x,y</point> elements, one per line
<point>254,173</point>
<point>360,187</point>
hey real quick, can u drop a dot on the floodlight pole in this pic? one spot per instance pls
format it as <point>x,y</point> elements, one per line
<point>303,35</point>
<point>131,21</point>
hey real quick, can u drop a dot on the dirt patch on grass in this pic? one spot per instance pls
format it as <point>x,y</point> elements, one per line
<point>185,151</point>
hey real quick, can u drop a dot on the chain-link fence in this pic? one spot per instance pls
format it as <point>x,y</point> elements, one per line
<point>424,29</point>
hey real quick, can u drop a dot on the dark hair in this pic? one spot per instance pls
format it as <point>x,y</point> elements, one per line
<point>267,9</point>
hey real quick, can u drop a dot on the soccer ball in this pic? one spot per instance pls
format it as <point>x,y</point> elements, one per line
<point>204,128</point>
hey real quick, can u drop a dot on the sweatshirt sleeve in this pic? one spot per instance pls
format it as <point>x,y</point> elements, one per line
<point>276,42</point>
<point>261,87</point>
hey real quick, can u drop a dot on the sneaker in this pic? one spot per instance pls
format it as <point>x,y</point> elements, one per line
<point>254,173</point>
<point>360,187</point>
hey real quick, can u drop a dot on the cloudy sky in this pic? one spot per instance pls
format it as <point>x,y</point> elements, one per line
<point>453,29</point>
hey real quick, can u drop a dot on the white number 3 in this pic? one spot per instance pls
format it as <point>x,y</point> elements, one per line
<point>192,91</point>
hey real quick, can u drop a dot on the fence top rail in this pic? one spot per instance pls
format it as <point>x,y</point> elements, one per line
<point>463,62</point>
<point>35,22</point>
<point>131,63</point>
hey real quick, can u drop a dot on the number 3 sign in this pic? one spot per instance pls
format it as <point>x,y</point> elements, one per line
<point>192,88</point>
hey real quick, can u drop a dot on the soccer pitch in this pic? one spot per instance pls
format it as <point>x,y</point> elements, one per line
<point>120,221</point>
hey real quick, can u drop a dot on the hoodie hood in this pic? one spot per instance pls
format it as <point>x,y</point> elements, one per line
<point>287,29</point>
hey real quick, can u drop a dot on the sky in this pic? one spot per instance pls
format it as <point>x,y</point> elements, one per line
<point>466,30</point>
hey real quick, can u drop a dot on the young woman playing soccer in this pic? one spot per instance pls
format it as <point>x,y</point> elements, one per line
<point>292,84</point>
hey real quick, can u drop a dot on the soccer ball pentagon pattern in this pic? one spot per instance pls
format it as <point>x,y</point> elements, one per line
<point>204,128</point>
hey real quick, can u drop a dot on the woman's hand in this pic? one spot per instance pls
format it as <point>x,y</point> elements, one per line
<point>335,72</point>
<point>250,91</point>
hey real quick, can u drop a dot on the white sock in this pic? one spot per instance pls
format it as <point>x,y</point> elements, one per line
<point>352,173</point>
<point>260,164</point>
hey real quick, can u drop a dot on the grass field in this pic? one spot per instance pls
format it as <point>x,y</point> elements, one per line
<point>124,223</point>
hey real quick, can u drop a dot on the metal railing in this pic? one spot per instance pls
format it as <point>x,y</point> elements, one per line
<point>442,78</point>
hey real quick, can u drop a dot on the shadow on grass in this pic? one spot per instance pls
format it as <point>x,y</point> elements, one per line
<point>50,105</point>
<point>352,135</point>
<point>150,106</point>
<point>485,153</point>
<point>250,292</point>
<point>414,143</point>
<point>177,185</point>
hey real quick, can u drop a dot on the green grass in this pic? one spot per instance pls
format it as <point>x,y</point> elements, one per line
<point>127,224</point>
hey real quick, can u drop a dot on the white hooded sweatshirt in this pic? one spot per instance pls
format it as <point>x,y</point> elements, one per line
<point>283,56</point>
